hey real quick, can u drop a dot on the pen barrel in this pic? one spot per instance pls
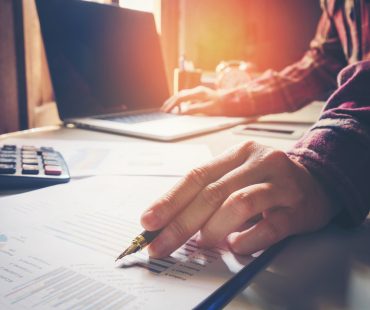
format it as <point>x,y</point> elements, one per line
<point>149,236</point>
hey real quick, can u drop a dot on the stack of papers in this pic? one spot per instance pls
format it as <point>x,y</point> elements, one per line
<point>58,246</point>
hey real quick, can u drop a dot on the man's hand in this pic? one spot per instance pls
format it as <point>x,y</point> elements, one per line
<point>200,99</point>
<point>219,198</point>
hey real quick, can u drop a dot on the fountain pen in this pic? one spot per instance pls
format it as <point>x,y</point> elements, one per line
<point>140,242</point>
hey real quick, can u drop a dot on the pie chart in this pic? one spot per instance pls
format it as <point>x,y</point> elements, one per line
<point>3,240</point>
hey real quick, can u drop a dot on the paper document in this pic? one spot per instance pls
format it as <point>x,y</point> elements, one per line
<point>58,245</point>
<point>86,158</point>
<point>307,115</point>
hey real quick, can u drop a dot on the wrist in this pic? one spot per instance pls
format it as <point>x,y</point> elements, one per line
<point>320,195</point>
<point>236,102</point>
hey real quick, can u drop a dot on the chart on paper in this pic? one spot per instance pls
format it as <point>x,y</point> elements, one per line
<point>66,289</point>
<point>107,234</point>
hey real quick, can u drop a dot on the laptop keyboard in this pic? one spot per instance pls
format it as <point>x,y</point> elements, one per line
<point>138,118</point>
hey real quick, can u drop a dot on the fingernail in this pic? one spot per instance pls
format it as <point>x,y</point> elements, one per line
<point>201,240</point>
<point>232,237</point>
<point>198,239</point>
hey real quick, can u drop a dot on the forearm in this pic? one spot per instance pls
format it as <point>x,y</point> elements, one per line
<point>298,84</point>
<point>337,149</point>
<point>286,91</point>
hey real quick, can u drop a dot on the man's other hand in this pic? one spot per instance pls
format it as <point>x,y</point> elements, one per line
<point>198,100</point>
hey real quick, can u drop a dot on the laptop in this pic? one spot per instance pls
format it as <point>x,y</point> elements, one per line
<point>108,72</point>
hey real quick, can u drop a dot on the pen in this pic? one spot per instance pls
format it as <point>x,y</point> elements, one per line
<point>140,242</point>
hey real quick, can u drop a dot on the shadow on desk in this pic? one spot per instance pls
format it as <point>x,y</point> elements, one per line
<point>324,270</point>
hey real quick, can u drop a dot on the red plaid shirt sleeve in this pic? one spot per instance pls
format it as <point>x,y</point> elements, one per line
<point>298,84</point>
<point>337,149</point>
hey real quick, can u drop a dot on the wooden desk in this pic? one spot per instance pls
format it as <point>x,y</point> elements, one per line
<point>315,271</point>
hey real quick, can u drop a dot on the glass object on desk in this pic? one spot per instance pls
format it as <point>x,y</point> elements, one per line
<point>186,75</point>
<point>185,79</point>
<point>233,73</point>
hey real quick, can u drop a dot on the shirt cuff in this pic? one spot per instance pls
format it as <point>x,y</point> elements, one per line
<point>337,156</point>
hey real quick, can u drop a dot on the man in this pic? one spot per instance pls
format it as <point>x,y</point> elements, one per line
<point>323,178</point>
<point>342,38</point>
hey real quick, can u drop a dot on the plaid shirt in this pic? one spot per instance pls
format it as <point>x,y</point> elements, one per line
<point>337,149</point>
<point>342,38</point>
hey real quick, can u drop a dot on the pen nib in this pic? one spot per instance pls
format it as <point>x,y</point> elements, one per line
<point>131,249</point>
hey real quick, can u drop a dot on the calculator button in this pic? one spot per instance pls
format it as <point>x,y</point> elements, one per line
<point>9,147</point>
<point>29,153</point>
<point>30,161</point>
<point>7,152</point>
<point>8,157</point>
<point>7,161</point>
<point>51,163</point>
<point>29,148</point>
<point>51,159</point>
<point>29,157</point>
<point>47,149</point>
<point>49,156</point>
<point>53,170</point>
<point>30,169</point>
<point>7,169</point>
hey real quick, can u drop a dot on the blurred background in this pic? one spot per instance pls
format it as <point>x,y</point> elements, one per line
<point>269,33</point>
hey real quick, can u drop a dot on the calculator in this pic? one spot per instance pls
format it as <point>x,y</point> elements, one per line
<point>30,166</point>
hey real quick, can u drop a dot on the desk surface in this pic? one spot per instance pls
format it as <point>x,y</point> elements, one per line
<point>329,269</point>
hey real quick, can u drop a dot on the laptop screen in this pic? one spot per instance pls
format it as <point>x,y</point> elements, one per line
<point>103,59</point>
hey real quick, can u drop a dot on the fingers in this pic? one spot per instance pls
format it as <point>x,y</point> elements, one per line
<point>218,198</point>
<point>221,196</point>
<point>197,212</point>
<point>195,94</point>
<point>166,208</point>
<point>208,108</point>
<point>240,206</point>
<point>273,228</point>
<point>189,220</point>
